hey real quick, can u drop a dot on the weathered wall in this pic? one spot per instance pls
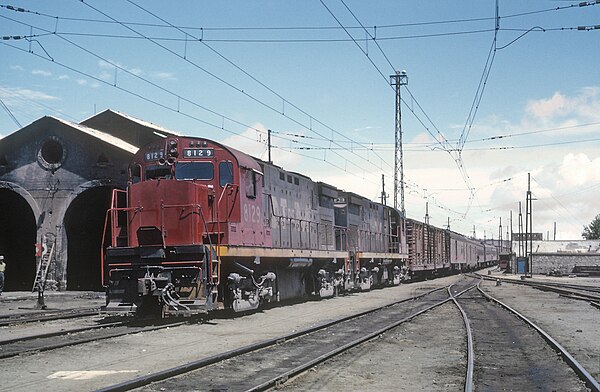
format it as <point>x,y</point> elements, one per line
<point>562,255</point>
<point>543,263</point>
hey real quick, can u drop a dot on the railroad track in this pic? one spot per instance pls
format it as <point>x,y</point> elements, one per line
<point>578,292</point>
<point>47,315</point>
<point>282,358</point>
<point>75,336</point>
<point>508,350</point>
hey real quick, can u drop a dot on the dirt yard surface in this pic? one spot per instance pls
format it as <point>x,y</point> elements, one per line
<point>422,355</point>
<point>573,323</point>
<point>107,362</point>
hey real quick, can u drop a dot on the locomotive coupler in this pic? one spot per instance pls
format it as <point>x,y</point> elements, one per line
<point>153,285</point>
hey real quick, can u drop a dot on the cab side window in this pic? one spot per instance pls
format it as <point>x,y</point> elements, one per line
<point>225,173</point>
<point>250,183</point>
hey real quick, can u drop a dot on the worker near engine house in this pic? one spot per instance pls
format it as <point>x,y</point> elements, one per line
<point>2,268</point>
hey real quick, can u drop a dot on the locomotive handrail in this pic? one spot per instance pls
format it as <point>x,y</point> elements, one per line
<point>111,212</point>
<point>225,188</point>
<point>197,206</point>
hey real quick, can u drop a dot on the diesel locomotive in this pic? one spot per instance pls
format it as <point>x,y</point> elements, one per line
<point>202,226</point>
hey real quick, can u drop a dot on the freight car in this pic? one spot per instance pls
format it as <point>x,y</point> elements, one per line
<point>428,249</point>
<point>203,226</point>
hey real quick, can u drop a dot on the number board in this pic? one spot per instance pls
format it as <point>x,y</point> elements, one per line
<point>153,155</point>
<point>198,152</point>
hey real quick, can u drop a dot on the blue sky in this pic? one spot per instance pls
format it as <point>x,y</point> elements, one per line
<point>291,67</point>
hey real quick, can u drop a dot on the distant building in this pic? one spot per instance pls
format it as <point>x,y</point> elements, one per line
<point>56,183</point>
<point>563,256</point>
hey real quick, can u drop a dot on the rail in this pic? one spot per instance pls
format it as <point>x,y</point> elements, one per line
<point>470,351</point>
<point>590,381</point>
<point>204,362</point>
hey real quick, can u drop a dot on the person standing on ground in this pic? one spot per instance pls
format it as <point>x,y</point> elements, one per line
<point>2,268</point>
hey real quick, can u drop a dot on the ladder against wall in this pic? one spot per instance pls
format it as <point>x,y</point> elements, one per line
<point>48,246</point>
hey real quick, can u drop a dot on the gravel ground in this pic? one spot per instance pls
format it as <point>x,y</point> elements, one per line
<point>574,324</point>
<point>426,361</point>
<point>107,362</point>
<point>411,357</point>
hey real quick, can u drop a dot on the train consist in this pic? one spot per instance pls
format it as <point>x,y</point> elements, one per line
<point>203,226</point>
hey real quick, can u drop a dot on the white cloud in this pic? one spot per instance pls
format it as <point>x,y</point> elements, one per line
<point>17,68</point>
<point>163,75</point>
<point>108,68</point>
<point>584,106</point>
<point>63,77</point>
<point>565,177</point>
<point>81,82</point>
<point>41,72</point>
<point>24,93</point>
<point>578,169</point>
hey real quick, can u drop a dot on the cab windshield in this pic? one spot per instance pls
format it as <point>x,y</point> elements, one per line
<point>157,171</point>
<point>194,171</point>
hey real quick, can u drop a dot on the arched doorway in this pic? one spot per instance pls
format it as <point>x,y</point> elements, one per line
<point>84,225</point>
<point>17,240</point>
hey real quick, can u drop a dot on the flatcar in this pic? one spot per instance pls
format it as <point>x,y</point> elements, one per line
<point>203,226</point>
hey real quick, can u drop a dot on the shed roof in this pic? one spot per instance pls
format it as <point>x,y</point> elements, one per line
<point>103,136</point>
<point>125,127</point>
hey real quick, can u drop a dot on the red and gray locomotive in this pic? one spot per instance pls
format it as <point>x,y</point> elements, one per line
<point>202,226</point>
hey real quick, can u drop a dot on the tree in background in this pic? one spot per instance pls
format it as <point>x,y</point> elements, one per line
<point>592,231</point>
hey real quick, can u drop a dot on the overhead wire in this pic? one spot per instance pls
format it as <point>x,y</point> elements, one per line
<point>465,138</point>
<point>10,114</point>
<point>252,77</point>
<point>138,76</point>
<point>212,74</point>
<point>458,159</point>
<point>152,101</point>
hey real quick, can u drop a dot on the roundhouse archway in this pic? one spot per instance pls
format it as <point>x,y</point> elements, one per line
<point>84,225</point>
<point>17,240</point>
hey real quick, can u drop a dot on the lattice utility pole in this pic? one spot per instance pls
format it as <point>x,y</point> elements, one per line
<point>398,80</point>
<point>521,249</point>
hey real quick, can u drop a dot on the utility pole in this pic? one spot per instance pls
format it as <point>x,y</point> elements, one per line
<point>398,80</point>
<point>500,234</point>
<point>529,226</point>
<point>269,144</point>
<point>521,250</point>
<point>554,231</point>
<point>510,245</point>
<point>383,195</point>
<point>448,226</point>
